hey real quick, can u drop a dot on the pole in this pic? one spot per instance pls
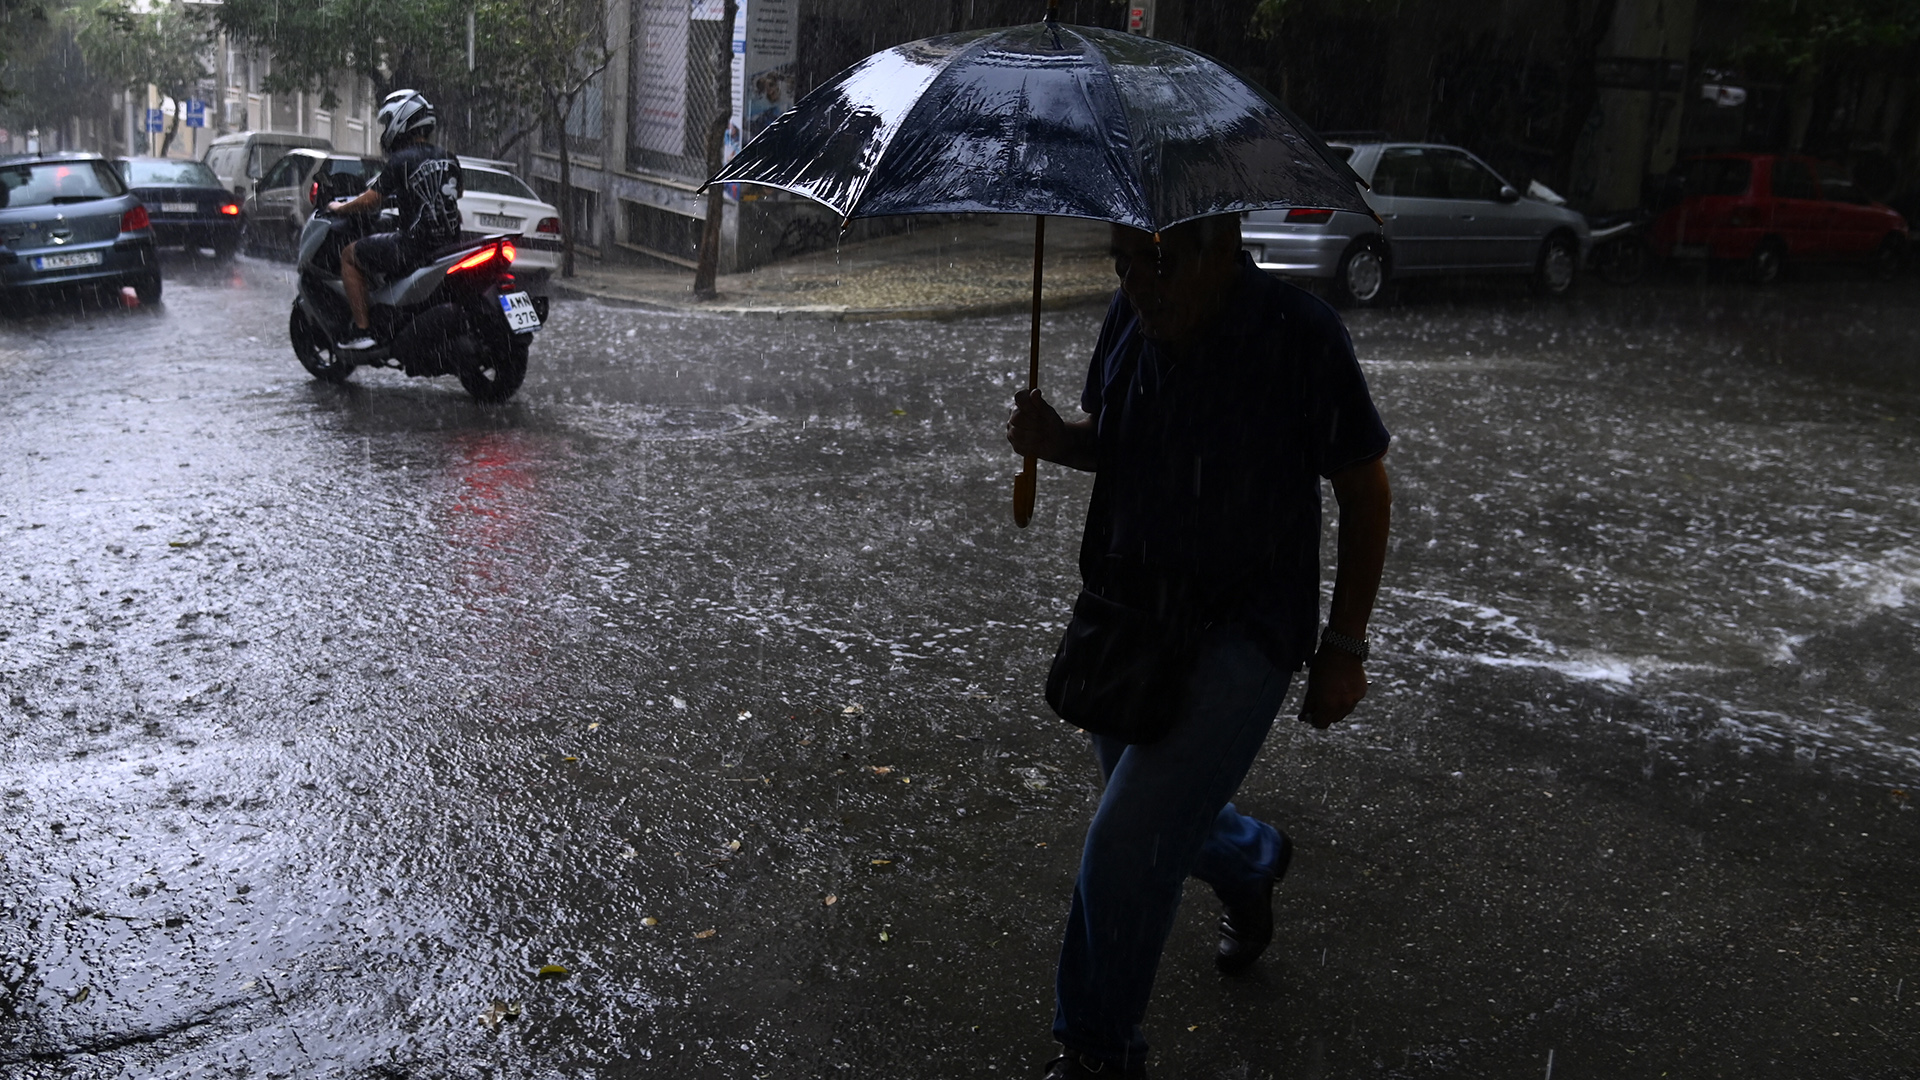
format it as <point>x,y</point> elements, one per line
<point>1026,485</point>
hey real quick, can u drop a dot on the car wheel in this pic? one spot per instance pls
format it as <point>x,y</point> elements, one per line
<point>1554,271</point>
<point>1890,258</point>
<point>315,351</point>
<point>1767,261</point>
<point>1361,280</point>
<point>147,289</point>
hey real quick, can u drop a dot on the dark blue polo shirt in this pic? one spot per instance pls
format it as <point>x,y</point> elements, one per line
<point>1209,466</point>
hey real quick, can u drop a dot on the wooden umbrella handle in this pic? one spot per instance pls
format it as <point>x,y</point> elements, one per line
<point>1025,485</point>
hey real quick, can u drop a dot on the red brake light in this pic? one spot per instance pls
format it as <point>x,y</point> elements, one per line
<point>230,209</point>
<point>1301,215</point>
<point>134,220</point>
<point>485,255</point>
<point>313,194</point>
<point>548,225</point>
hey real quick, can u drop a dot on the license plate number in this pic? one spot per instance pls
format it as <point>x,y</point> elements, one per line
<point>178,208</point>
<point>66,262</point>
<point>520,314</point>
<point>499,221</point>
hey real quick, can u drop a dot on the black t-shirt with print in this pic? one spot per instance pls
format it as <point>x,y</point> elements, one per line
<point>424,183</point>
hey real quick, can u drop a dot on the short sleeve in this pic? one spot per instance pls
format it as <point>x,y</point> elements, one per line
<point>1343,427</point>
<point>392,176</point>
<point>1119,313</point>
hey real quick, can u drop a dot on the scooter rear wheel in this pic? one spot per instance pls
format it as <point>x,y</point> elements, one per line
<point>495,378</point>
<point>315,350</point>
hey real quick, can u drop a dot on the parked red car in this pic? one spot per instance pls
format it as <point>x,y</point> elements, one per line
<point>1763,209</point>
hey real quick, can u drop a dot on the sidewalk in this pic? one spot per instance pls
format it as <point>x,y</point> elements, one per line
<point>982,266</point>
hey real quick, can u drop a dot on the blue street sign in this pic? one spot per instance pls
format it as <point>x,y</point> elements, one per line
<point>196,113</point>
<point>156,121</point>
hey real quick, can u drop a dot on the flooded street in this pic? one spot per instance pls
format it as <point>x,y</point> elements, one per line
<point>708,670</point>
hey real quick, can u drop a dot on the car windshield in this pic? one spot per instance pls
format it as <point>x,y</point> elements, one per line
<point>1718,176</point>
<point>168,174</point>
<point>488,182</point>
<point>52,182</point>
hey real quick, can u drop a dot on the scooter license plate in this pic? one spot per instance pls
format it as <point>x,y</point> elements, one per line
<point>520,314</point>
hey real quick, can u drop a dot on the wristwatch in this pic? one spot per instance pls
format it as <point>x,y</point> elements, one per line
<point>1331,638</point>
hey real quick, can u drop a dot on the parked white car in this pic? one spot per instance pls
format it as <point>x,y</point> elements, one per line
<point>497,201</point>
<point>1442,211</point>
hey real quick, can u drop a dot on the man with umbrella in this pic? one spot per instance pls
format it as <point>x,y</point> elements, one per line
<point>1216,400</point>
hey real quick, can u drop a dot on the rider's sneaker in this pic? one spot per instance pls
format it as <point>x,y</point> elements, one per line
<point>359,342</point>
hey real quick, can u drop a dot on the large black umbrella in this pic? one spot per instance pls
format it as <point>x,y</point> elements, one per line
<point>1045,119</point>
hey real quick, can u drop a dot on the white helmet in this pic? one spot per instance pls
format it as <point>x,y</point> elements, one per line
<point>403,113</point>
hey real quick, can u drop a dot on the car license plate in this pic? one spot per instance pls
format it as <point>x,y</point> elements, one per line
<point>178,208</point>
<point>66,262</point>
<point>520,314</point>
<point>499,221</point>
<point>1689,251</point>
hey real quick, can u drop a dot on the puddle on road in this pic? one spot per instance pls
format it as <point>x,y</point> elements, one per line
<point>356,707</point>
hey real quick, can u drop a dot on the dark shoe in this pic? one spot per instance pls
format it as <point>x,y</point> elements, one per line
<point>1246,929</point>
<point>1071,1066</point>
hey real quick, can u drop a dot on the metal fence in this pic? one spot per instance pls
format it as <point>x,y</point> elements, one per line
<point>674,56</point>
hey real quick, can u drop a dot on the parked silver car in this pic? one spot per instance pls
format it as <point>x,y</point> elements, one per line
<point>1442,211</point>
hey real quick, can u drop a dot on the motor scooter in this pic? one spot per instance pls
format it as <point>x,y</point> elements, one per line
<point>461,314</point>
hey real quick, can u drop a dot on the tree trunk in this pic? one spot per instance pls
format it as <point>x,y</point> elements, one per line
<point>1582,88</point>
<point>708,267</point>
<point>174,128</point>
<point>566,184</point>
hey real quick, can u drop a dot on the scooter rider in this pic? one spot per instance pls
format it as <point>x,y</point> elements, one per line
<point>425,182</point>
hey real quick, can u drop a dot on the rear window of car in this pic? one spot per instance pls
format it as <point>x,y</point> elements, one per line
<point>1718,176</point>
<point>53,182</point>
<point>168,174</point>
<point>344,166</point>
<point>488,182</point>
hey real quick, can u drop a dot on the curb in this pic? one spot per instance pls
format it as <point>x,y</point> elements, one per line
<point>1070,298</point>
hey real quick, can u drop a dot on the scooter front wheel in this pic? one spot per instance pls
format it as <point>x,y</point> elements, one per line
<point>495,377</point>
<point>315,350</point>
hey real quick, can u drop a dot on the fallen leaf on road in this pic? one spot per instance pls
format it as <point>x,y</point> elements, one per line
<point>569,759</point>
<point>630,853</point>
<point>853,710</point>
<point>882,770</point>
<point>883,935</point>
<point>879,862</point>
<point>703,935</point>
<point>551,971</point>
<point>595,726</point>
<point>649,921</point>
<point>744,715</point>
<point>733,845</point>
<point>830,900</point>
<point>82,995</point>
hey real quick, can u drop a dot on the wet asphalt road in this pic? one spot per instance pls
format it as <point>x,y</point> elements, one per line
<point>708,669</point>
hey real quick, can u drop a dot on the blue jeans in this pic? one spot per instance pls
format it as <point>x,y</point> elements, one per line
<point>1164,815</point>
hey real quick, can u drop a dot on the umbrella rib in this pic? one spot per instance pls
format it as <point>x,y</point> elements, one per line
<point>978,44</point>
<point>1133,141</point>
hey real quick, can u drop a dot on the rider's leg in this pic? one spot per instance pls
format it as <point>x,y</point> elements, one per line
<point>355,280</point>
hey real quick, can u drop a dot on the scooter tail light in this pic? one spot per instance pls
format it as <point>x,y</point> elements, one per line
<point>135,219</point>
<point>508,253</point>
<point>480,258</point>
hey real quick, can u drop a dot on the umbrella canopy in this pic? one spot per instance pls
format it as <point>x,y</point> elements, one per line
<point>1045,119</point>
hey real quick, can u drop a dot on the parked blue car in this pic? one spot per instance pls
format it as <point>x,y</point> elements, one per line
<point>189,206</point>
<point>68,220</point>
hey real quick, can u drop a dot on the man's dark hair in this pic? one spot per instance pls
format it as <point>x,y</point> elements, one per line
<point>1202,234</point>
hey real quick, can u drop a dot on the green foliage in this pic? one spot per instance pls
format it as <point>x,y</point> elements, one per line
<point>127,48</point>
<point>1793,35</point>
